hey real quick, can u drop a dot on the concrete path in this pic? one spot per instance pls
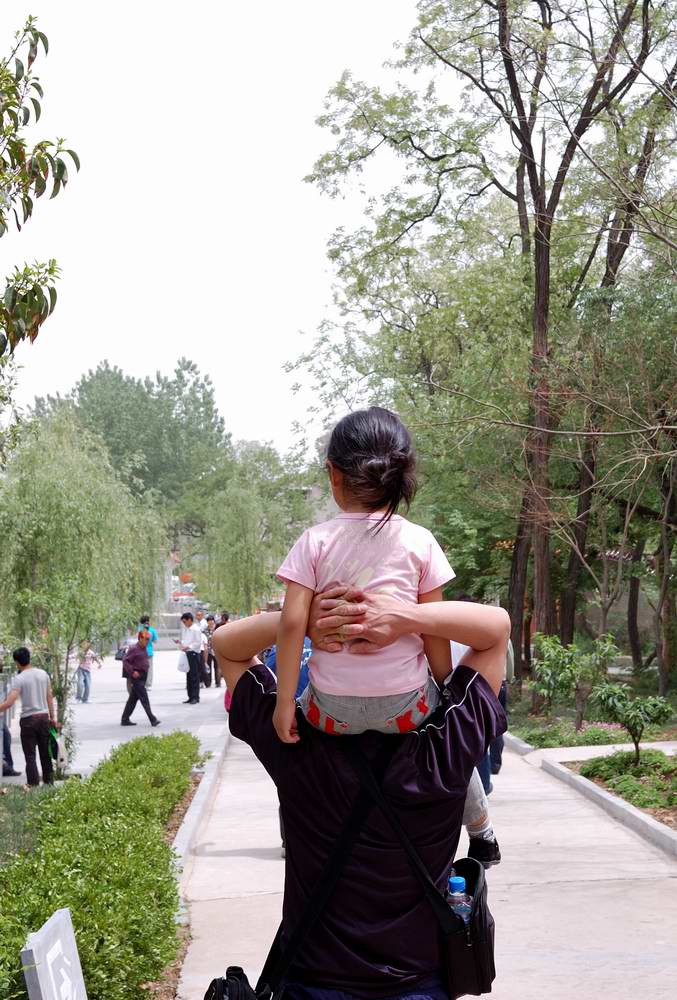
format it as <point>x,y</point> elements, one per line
<point>585,909</point>
<point>97,724</point>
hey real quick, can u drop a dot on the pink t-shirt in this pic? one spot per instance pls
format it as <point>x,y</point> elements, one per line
<point>402,559</point>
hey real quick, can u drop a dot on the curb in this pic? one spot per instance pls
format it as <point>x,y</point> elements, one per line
<point>187,832</point>
<point>656,833</point>
<point>517,745</point>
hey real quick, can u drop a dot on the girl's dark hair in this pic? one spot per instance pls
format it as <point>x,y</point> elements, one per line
<point>373,450</point>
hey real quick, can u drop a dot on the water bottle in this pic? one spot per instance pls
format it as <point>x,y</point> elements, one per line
<point>459,900</point>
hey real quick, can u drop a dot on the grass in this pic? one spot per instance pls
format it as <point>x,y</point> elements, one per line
<point>650,785</point>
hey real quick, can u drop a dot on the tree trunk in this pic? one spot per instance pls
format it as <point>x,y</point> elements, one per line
<point>517,585</point>
<point>539,443</point>
<point>580,700</point>
<point>633,608</point>
<point>586,479</point>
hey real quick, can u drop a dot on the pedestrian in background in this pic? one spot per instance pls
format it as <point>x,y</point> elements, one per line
<point>145,625</point>
<point>33,686</point>
<point>135,667</point>
<point>191,643</point>
<point>83,675</point>
<point>210,658</point>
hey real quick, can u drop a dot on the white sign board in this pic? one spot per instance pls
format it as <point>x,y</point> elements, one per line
<point>50,960</point>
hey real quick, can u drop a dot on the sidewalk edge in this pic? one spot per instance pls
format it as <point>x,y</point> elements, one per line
<point>517,745</point>
<point>187,832</point>
<point>656,833</point>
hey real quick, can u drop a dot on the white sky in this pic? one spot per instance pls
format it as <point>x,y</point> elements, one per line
<point>189,230</point>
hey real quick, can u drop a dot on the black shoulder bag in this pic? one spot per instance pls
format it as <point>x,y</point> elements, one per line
<point>466,950</point>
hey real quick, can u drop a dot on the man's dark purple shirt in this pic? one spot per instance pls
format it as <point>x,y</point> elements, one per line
<point>136,659</point>
<point>378,936</point>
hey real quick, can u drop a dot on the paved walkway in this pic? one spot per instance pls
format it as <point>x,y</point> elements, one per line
<point>585,909</point>
<point>97,724</point>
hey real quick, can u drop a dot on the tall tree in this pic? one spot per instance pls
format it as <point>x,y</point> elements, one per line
<point>27,172</point>
<point>164,434</point>
<point>80,555</point>
<point>544,81</point>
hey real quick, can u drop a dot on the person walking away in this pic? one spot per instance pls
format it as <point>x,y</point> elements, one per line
<point>145,625</point>
<point>496,746</point>
<point>191,643</point>
<point>86,658</point>
<point>135,667</point>
<point>211,659</point>
<point>8,769</point>
<point>33,686</point>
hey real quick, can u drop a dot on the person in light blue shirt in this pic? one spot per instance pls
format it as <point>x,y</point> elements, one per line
<point>144,624</point>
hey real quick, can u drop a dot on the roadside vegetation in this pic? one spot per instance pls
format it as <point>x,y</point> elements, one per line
<point>98,846</point>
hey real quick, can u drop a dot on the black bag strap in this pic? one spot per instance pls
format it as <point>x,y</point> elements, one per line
<point>445,915</point>
<point>278,964</point>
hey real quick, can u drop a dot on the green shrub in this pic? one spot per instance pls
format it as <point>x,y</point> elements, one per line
<point>100,850</point>
<point>651,784</point>
<point>563,734</point>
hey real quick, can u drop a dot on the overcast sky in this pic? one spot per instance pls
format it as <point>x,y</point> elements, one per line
<point>189,230</point>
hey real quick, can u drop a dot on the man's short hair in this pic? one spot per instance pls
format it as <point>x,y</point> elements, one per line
<point>186,615</point>
<point>22,656</point>
<point>225,615</point>
<point>210,618</point>
<point>144,620</point>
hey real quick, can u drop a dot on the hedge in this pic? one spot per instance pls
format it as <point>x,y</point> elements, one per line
<point>100,850</point>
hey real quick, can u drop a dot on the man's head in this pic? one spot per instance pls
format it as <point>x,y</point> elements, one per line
<point>143,638</point>
<point>22,657</point>
<point>225,615</point>
<point>187,618</point>
<point>199,615</point>
<point>144,620</point>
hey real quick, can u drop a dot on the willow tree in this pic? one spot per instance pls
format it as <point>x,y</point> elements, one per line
<point>513,96</point>
<point>80,555</point>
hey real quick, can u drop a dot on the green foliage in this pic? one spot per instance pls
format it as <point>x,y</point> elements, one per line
<point>650,783</point>
<point>82,554</point>
<point>26,174</point>
<point>561,671</point>
<point>251,525</point>
<point>19,812</point>
<point>164,435</point>
<point>634,714</point>
<point>563,733</point>
<point>100,850</point>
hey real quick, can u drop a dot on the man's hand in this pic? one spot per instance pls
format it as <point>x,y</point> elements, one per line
<point>330,632</point>
<point>366,621</point>
<point>284,720</point>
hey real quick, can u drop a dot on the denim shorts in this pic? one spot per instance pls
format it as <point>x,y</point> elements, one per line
<point>347,715</point>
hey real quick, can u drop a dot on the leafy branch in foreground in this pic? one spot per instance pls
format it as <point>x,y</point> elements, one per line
<point>26,174</point>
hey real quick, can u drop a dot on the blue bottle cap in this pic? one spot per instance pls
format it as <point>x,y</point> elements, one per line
<point>456,883</point>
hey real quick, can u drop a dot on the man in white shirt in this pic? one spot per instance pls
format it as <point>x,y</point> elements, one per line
<point>191,643</point>
<point>201,621</point>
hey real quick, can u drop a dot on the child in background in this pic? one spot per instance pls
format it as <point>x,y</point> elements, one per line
<point>371,465</point>
<point>86,657</point>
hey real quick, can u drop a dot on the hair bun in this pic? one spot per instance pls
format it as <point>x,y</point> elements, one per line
<point>383,468</point>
